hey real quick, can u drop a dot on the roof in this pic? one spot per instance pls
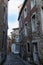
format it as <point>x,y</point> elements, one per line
<point>22,9</point>
<point>15,28</point>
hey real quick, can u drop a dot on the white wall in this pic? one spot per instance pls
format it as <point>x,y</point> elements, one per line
<point>15,48</point>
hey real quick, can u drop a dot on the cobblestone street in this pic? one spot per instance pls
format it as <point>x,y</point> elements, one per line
<point>13,59</point>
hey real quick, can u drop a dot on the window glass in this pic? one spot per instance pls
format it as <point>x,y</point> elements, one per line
<point>17,48</point>
<point>28,47</point>
<point>32,3</point>
<point>42,18</point>
<point>33,23</point>
<point>25,30</point>
<point>25,12</point>
<point>17,38</point>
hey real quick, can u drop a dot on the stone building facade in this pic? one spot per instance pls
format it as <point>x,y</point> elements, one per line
<point>3,28</point>
<point>9,43</point>
<point>39,5</point>
<point>31,30</point>
<point>15,40</point>
<point>25,30</point>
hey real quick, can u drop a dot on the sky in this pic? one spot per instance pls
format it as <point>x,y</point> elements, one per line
<point>13,14</point>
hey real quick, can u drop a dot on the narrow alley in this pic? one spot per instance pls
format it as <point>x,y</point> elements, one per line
<point>21,32</point>
<point>14,59</point>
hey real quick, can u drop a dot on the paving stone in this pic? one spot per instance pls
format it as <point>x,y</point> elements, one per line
<point>13,59</point>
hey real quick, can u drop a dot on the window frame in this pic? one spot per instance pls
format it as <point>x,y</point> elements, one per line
<point>33,22</point>
<point>41,20</point>
<point>32,2</point>
<point>25,12</point>
<point>28,47</point>
<point>26,29</point>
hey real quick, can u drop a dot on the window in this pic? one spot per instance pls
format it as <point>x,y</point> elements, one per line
<point>17,38</point>
<point>42,8</point>
<point>4,9</point>
<point>25,28</point>
<point>28,47</point>
<point>32,3</point>
<point>33,23</point>
<point>42,18</point>
<point>17,48</point>
<point>25,12</point>
<point>21,23</point>
<point>4,14</point>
